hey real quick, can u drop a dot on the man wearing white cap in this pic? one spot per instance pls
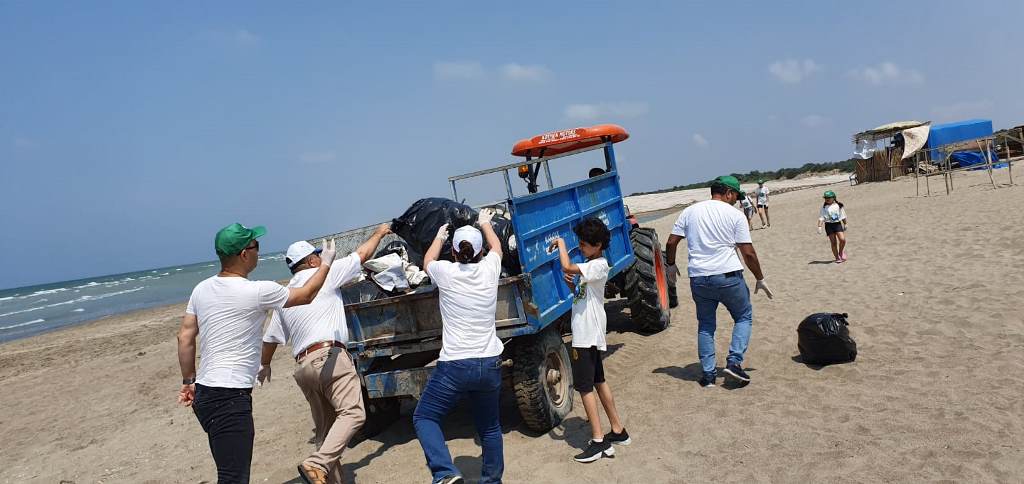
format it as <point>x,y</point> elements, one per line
<point>325,374</point>
<point>469,365</point>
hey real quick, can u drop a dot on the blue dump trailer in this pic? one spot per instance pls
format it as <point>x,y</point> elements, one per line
<point>395,341</point>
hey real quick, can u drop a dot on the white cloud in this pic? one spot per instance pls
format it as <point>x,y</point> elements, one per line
<point>460,70</point>
<point>792,71</point>
<point>962,110</point>
<point>236,37</point>
<point>700,140</point>
<point>814,121</point>
<point>589,112</point>
<point>520,72</point>
<point>317,157</point>
<point>887,73</point>
<point>244,37</point>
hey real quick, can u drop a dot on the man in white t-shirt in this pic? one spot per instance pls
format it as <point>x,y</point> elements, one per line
<point>318,334</point>
<point>226,312</point>
<point>714,231</point>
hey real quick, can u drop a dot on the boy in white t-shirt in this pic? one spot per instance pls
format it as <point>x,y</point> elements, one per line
<point>588,335</point>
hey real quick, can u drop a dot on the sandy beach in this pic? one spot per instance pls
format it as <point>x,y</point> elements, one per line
<point>933,287</point>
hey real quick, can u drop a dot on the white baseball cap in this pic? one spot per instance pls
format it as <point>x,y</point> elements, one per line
<point>298,251</point>
<point>469,234</point>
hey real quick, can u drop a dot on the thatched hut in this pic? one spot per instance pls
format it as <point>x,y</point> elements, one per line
<point>885,161</point>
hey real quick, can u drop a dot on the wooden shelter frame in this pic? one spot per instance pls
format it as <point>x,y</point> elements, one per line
<point>983,144</point>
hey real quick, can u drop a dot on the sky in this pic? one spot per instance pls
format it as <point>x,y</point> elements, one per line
<point>130,132</point>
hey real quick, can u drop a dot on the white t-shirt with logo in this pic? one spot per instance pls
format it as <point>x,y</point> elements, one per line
<point>832,213</point>
<point>468,299</point>
<point>589,321</point>
<point>762,196</point>
<point>231,311</point>
<point>745,203</point>
<point>321,320</point>
<point>712,229</point>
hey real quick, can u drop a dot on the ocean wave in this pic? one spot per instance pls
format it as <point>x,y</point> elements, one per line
<point>76,300</point>
<point>77,310</point>
<point>90,284</point>
<point>8,298</point>
<point>34,321</point>
<point>44,292</point>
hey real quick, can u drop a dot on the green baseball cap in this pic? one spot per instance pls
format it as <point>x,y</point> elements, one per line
<point>232,239</point>
<point>731,182</point>
<point>830,194</point>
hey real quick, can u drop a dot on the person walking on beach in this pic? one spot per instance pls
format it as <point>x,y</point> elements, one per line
<point>325,373</point>
<point>714,231</point>
<point>762,204</point>
<point>469,364</point>
<point>748,209</point>
<point>227,312</point>
<point>833,221</point>
<point>589,323</point>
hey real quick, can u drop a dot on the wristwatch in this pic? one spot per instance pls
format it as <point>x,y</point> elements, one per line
<point>188,381</point>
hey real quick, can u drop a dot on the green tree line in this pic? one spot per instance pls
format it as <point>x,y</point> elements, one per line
<point>780,174</point>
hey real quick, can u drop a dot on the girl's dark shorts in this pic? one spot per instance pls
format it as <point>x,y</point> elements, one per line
<point>834,227</point>
<point>587,369</point>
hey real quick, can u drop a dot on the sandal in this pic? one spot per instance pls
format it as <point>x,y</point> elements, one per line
<point>312,475</point>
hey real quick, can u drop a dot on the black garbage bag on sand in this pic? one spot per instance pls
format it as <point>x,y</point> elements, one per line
<point>823,338</point>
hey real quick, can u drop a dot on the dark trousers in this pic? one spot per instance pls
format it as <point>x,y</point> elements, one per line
<point>226,416</point>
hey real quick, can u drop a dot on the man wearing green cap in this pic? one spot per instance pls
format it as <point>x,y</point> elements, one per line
<point>714,230</point>
<point>227,312</point>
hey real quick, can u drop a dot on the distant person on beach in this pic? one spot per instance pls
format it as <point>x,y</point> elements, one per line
<point>833,221</point>
<point>748,209</point>
<point>469,365</point>
<point>589,325</point>
<point>227,312</point>
<point>325,372</point>
<point>762,204</point>
<point>714,231</point>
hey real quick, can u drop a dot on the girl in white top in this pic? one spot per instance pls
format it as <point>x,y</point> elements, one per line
<point>832,221</point>
<point>469,365</point>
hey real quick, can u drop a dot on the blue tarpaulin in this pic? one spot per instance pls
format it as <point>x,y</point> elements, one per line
<point>971,158</point>
<point>944,134</point>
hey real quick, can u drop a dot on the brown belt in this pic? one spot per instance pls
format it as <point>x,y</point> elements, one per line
<point>316,346</point>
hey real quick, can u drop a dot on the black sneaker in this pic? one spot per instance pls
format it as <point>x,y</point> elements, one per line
<point>734,370</point>
<point>707,381</point>
<point>450,480</point>
<point>621,438</point>
<point>595,451</point>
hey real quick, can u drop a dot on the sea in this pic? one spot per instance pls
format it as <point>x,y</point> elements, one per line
<point>33,310</point>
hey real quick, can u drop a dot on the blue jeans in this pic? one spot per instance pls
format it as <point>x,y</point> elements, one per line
<point>480,380</point>
<point>730,290</point>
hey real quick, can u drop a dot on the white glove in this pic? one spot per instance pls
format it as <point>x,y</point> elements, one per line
<point>485,216</point>
<point>327,252</point>
<point>442,232</point>
<point>761,286</point>
<point>672,272</point>
<point>264,375</point>
<point>821,230</point>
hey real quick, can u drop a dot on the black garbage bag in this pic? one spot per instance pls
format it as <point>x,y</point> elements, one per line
<point>507,235</point>
<point>401,248</point>
<point>362,291</point>
<point>418,225</point>
<point>823,338</point>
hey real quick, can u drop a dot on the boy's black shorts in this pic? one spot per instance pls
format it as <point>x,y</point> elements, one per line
<point>587,369</point>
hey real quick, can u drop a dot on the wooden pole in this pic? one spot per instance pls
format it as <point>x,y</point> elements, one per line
<point>988,161</point>
<point>927,185</point>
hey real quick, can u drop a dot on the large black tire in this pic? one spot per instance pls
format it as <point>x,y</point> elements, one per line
<point>673,298</point>
<point>646,283</point>
<point>542,379</point>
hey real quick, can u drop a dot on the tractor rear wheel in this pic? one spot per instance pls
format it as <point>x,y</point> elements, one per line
<point>542,379</point>
<point>647,282</point>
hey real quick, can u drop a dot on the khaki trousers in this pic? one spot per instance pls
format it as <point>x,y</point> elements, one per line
<point>329,381</point>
